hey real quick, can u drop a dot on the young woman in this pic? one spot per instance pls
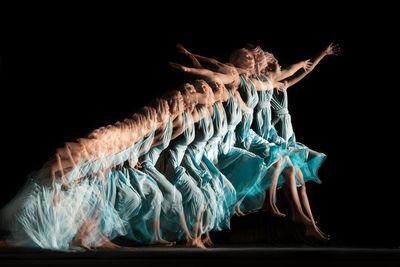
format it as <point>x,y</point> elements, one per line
<point>172,219</point>
<point>250,140</point>
<point>193,200</point>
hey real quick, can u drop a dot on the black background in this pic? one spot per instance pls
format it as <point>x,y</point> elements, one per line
<point>67,71</point>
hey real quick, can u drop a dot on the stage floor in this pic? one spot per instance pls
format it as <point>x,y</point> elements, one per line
<point>217,256</point>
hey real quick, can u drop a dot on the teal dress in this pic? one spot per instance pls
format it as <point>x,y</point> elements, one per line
<point>226,193</point>
<point>171,206</point>
<point>242,168</point>
<point>34,221</point>
<point>248,139</point>
<point>263,114</point>
<point>193,200</point>
<point>311,160</point>
<point>119,191</point>
<point>192,162</point>
<point>263,127</point>
<point>141,227</point>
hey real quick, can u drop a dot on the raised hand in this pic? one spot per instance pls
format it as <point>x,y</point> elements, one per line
<point>332,49</point>
<point>279,87</point>
<point>179,67</point>
<point>182,49</point>
<point>307,65</point>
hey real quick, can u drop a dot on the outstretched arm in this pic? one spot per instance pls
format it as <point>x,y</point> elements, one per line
<point>192,57</point>
<point>200,61</point>
<point>205,73</point>
<point>292,69</point>
<point>332,49</point>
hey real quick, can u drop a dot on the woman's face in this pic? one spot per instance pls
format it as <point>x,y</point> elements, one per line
<point>272,63</point>
<point>274,66</point>
<point>205,94</point>
<point>246,60</point>
<point>220,91</point>
<point>176,103</point>
<point>261,61</point>
<point>190,97</point>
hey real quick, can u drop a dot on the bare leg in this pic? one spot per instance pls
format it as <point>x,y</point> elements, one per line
<point>53,184</point>
<point>65,186</point>
<point>159,240</point>
<point>290,190</point>
<point>297,214</point>
<point>305,203</point>
<point>199,228</point>
<point>190,241</point>
<point>269,203</point>
<point>81,236</point>
<point>207,239</point>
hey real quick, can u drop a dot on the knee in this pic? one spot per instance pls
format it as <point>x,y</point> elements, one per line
<point>279,161</point>
<point>289,171</point>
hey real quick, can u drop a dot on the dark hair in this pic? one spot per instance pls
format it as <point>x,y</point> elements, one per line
<point>234,56</point>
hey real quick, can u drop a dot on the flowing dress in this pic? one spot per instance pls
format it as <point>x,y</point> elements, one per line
<point>171,206</point>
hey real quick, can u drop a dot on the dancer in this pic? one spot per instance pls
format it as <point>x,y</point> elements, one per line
<point>144,227</point>
<point>250,140</point>
<point>80,217</point>
<point>216,78</point>
<point>193,200</point>
<point>194,153</point>
<point>283,120</point>
<point>172,215</point>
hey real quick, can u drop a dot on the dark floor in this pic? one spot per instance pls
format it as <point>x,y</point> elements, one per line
<point>218,256</point>
<point>256,239</point>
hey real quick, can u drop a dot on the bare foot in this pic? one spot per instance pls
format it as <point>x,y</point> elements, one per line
<point>207,240</point>
<point>194,243</point>
<point>108,244</point>
<point>273,209</point>
<point>200,244</point>
<point>278,213</point>
<point>313,234</point>
<point>238,212</point>
<point>79,243</point>
<point>322,233</point>
<point>301,218</point>
<point>163,243</point>
<point>310,225</point>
